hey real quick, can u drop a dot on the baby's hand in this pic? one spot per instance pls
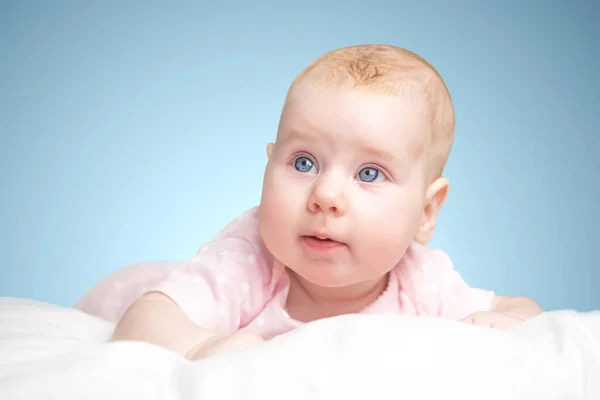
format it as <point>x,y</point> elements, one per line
<point>224,344</point>
<point>492,319</point>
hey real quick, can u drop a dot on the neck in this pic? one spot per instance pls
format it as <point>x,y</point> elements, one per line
<point>308,302</point>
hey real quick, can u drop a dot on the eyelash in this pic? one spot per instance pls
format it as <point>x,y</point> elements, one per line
<point>374,166</point>
<point>381,170</point>
<point>294,157</point>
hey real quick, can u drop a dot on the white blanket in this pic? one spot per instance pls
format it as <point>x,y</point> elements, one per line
<point>50,352</point>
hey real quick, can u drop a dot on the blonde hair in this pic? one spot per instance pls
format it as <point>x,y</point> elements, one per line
<point>394,71</point>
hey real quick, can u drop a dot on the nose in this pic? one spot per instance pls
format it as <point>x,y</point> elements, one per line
<point>328,196</point>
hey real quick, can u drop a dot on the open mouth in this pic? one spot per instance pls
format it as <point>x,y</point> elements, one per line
<point>321,239</point>
<point>321,243</point>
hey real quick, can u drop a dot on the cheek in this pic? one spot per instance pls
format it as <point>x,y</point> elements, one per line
<point>387,211</point>
<point>283,193</point>
<point>280,204</point>
<point>388,223</point>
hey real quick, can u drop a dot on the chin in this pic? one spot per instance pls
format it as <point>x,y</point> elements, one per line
<point>323,276</point>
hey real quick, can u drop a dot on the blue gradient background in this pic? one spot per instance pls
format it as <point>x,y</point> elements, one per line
<point>134,131</point>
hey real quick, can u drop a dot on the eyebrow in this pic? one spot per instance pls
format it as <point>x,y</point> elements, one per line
<point>300,135</point>
<point>359,145</point>
<point>379,153</point>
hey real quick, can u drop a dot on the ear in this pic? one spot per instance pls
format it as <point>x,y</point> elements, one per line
<point>269,150</point>
<point>434,200</point>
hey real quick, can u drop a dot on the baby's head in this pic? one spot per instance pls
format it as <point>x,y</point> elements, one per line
<point>364,135</point>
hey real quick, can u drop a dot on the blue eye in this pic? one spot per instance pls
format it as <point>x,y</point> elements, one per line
<point>303,164</point>
<point>368,174</point>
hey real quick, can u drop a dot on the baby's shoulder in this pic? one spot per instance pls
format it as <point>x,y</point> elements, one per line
<point>237,251</point>
<point>244,228</point>
<point>427,277</point>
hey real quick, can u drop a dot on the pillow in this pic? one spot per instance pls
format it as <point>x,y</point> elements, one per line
<point>53,352</point>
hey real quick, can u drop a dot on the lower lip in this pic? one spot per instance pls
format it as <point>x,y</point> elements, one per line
<point>321,245</point>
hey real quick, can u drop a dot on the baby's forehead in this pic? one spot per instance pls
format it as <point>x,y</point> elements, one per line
<point>415,88</point>
<point>405,104</point>
<point>356,120</point>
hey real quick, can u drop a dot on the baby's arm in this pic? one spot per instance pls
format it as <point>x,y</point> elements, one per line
<point>518,307</point>
<point>198,310</point>
<point>505,312</point>
<point>155,319</point>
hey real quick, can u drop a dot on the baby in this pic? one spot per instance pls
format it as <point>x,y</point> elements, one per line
<point>351,193</point>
